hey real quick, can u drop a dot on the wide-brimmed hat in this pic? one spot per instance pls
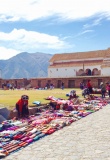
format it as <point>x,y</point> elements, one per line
<point>24,97</point>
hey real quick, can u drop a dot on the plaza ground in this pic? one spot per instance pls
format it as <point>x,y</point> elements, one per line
<point>85,139</point>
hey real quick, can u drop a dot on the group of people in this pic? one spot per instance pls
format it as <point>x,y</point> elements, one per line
<point>7,86</point>
<point>87,89</point>
<point>104,87</point>
<point>22,103</point>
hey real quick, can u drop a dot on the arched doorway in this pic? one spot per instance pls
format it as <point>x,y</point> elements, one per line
<point>81,72</point>
<point>95,71</point>
<point>88,72</point>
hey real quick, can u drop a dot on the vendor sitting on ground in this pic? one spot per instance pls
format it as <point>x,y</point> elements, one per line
<point>22,106</point>
<point>72,94</point>
<point>85,92</point>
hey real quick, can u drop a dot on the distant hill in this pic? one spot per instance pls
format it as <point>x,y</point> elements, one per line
<point>25,65</point>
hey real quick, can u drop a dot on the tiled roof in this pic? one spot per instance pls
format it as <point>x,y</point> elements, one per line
<point>78,55</point>
<point>74,64</point>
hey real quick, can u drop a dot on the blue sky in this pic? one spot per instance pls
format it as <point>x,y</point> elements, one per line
<point>53,26</point>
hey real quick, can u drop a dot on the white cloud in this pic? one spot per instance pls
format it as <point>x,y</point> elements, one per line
<point>21,40</point>
<point>83,32</point>
<point>6,53</point>
<point>30,41</point>
<point>93,23</point>
<point>14,10</point>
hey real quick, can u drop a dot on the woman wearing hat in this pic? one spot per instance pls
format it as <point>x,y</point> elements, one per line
<point>22,106</point>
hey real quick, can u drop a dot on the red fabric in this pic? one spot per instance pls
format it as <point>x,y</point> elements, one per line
<point>89,84</point>
<point>57,107</point>
<point>22,102</point>
<point>72,96</point>
<point>108,87</point>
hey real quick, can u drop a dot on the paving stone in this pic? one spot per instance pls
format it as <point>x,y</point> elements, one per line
<point>85,139</point>
<point>72,157</point>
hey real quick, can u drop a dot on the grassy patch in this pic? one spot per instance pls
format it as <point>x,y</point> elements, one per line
<point>10,97</point>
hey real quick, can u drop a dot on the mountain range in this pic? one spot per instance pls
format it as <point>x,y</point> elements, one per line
<point>25,65</point>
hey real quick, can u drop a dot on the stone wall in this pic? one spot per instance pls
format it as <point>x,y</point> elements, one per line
<point>72,82</point>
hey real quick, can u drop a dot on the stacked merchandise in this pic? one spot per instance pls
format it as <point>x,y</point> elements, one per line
<point>96,90</point>
<point>16,134</point>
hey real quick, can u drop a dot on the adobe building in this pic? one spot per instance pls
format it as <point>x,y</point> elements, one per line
<point>90,63</point>
<point>72,68</point>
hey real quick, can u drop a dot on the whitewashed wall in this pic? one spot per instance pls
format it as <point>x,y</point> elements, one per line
<point>61,72</point>
<point>67,71</point>
<point>105,71</point>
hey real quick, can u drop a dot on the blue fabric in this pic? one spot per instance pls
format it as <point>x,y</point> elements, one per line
<point>37,102</point>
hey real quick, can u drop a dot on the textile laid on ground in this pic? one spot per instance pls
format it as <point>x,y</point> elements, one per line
<point>15,134</point>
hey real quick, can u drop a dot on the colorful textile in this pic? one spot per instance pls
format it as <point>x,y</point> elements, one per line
<point>15,134</point>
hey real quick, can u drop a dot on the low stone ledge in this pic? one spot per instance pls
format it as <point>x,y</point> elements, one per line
<point>32,111</point>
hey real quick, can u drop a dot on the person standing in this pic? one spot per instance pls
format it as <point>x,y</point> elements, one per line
<point>108,88</point>
<point>81,85</point>
<point>62,85</point>
<point>103,89</point>
<point>89,86</point>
